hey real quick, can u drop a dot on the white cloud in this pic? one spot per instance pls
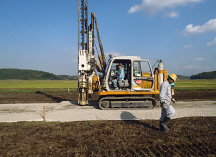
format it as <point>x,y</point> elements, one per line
<point>114,54</point>
<point>135,8</point>
<point>173,14</point>
<point>188,46</point>
<point>153,7</point>
<point>199,59</point>
<point>192,67</point>
<point>196,69</point>
<point>212,42</point>
<point>206,27</point>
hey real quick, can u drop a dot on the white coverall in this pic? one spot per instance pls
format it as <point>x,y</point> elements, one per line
<point>167,109</point>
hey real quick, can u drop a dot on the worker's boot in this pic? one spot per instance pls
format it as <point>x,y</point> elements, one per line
<point>163,126</point>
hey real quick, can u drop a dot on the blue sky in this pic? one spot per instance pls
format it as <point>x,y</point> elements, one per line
<point>42,34</point>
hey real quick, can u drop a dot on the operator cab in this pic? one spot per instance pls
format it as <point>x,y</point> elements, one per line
<point>138,75</point>
<point>124,83</point>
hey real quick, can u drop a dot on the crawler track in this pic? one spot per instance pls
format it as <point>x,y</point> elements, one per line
<point>113,102</point>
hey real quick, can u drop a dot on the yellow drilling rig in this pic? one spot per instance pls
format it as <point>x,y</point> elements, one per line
<point>140,84</point>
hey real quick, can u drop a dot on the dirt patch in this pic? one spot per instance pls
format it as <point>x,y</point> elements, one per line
<point>36,97</point>
<point>195,94</point>
<point>188,137</point>
<point>51,97</point>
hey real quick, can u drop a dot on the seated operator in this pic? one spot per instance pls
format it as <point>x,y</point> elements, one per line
<point>120,76</point>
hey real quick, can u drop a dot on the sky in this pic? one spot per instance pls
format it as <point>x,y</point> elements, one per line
<point>42,34</point>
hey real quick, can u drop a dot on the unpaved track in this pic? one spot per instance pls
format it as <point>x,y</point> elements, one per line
<point>70,111</point>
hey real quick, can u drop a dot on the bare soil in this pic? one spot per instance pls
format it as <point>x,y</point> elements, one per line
<point>51,97</point>
<point>193,136</point>
<point>188,137</point>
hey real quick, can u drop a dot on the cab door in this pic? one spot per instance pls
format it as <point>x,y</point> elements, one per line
<point>142,76</point>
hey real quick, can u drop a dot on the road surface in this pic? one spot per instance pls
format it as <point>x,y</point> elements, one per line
<point>69,111</point>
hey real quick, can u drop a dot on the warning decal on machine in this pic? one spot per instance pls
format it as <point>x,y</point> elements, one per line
<point>138,81</point>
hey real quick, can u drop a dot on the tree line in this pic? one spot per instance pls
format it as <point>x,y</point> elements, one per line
<point>24,74</point>
<point>205,75</point>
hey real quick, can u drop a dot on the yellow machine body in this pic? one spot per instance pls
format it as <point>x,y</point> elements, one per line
<point>140,83</point>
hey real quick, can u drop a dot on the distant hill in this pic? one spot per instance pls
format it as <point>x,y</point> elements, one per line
<point>23,74</point>
<point>181,77</point>
<point>204,75</point>
<point>67,77</point>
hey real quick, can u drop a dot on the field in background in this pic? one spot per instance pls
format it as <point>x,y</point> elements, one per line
<point>49,91</point>
<point>38,84</point>
<point>33,85</point>
<point>196,84</point>
<point>63,85</point>
<point>188,137</point>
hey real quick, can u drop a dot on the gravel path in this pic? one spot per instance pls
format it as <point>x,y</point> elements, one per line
<point>70,111</point>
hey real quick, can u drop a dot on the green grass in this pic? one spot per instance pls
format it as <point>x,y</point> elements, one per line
<point>38,84</point>
<point>196,84</point>
<point>33,85</point>
<point>63,85</point>
<point>23,90</point>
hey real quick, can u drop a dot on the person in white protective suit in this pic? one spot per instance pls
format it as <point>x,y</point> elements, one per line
<point>167,110</point>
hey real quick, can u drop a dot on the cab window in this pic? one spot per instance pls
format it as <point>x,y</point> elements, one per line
<point>141,69</point>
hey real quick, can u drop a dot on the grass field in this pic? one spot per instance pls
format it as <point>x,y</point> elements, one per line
<point>32,85</point>
<point>196,84</point>
<point>188,137</point>
<point>38,84</point>
<point>62,85</point>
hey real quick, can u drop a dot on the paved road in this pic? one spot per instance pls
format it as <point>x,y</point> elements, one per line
<point>70,111</point>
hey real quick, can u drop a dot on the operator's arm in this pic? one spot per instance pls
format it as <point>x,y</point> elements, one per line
<point>121,74</point>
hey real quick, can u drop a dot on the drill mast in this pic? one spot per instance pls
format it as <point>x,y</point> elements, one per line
<point>87,61</point>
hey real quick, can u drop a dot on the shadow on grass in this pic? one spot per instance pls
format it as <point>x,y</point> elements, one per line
<point>54,98</point>
<point>59,99</point>
<point>129,118</point>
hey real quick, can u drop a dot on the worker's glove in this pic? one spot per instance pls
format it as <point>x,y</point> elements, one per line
<point>173,100</point>
<point>162,104</point>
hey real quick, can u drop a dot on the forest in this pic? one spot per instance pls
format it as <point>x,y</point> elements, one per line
<point>204,75</point>
<point>25,74</point>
